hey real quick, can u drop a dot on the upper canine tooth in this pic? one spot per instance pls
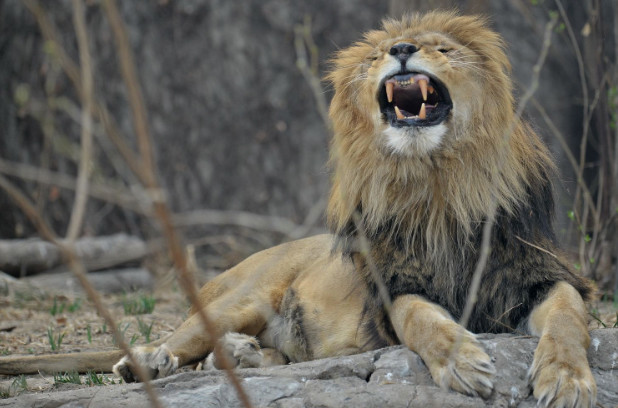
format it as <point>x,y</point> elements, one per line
<point>398,113</point>
<point>422,113</point>
<point>389,91</point>
<point>422,83</point>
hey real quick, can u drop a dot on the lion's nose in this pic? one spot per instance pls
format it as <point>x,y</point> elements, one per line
<point>403,50</point>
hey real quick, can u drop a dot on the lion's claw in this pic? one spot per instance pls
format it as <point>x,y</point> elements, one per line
<point>158,362</point>
<point>560,377</point>
<point>468,369</point>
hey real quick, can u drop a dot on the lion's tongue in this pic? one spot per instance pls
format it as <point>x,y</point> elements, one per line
<point>409,93</point>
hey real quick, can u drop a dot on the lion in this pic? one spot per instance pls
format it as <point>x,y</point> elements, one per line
<point>426,152</point>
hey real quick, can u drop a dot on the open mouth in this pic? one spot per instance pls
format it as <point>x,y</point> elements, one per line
<point>414,99</point>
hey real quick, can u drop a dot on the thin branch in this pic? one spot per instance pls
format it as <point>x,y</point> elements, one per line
<point>185,278</point>
<point>485,243</point>
<point>475,284</point>
<point>585,123</point>
<point>309,67</point>
<point>536,246</point>
<point>80,272</point>
<point>104,192</point>
<point>72,71</point>
<point>81,191</point>
<point>364,248</point>
<point>238,218</point>
<point>567,151</point>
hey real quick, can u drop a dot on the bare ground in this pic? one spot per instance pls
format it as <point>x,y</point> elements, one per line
<point>26,321</point>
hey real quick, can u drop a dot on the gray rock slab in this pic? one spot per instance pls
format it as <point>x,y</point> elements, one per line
<point>393,377</point>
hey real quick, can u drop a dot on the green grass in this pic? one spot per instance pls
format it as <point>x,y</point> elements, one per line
<point>54,342</point>
<point>71,377</point>
<point>18,386</point>
<point>140,304</point>
<point>145,329</point>
<point>91,379</point>
<point>59,306</point>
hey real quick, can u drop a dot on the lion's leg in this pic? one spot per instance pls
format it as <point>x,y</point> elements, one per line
<point>452,354</point>
<point>190,343</point>
<point>560,374</point>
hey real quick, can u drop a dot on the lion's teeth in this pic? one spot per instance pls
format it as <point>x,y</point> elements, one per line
<point>422,83</point>
<point>398,113</point>
<point>389,91</point>
<point>430,89</point>
<point>422,113</point>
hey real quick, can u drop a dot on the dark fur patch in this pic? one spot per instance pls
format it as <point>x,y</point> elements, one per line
<point>517,277</point>
<point>293,329</point>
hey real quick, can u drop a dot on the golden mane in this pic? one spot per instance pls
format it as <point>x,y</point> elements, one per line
<point>488,154</point>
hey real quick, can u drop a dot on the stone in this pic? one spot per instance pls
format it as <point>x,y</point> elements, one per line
<point>393,377</point>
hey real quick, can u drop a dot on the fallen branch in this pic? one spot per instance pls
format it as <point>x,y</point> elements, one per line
<point>27,256</point>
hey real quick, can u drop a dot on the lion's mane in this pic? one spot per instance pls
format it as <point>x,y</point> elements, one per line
<point>423,216</point>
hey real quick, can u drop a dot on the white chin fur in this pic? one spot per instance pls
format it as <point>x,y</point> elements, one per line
<point>414,141</point>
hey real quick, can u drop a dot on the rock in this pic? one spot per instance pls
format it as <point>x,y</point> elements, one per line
<point>391,377</point>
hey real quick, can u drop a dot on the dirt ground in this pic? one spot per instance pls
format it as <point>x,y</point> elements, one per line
<point>28,319</point>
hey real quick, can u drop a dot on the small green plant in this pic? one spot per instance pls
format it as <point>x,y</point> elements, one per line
<point>5,352</point>
<point>89,334</point>
<point>133,339</point>
<point>144,329</point>
<point>54,342</point>
<point>71,377</point>
<point>93,378</point>
<point>75,305</point>
<point>141,304</point>
<point>58,306</point>
<point>18,386</point>
<point>595,315</point>
<point>30,350</point>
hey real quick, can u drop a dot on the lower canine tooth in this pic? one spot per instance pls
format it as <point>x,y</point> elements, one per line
<point>389,91</point>
<point>398,113</point>
<point>422,113</point>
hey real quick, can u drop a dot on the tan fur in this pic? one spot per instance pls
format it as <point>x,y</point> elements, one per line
<point>420,200</point>
<point>560,370</point>
<point>472,168</point>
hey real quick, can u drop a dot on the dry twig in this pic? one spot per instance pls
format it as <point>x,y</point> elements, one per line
<point>81,191</point>
<point>161,211</point>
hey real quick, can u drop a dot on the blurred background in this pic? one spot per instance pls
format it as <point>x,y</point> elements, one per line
<point>235,111</point>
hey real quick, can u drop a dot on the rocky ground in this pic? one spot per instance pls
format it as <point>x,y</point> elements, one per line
<point>30,316</point>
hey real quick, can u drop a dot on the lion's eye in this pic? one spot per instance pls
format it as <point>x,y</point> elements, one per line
<point>443,50</point>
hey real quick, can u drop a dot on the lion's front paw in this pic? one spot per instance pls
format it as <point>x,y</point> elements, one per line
<point>158,362</point>
<point>240,350</point>
<point>462,365</point>
<point>561,377</point>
